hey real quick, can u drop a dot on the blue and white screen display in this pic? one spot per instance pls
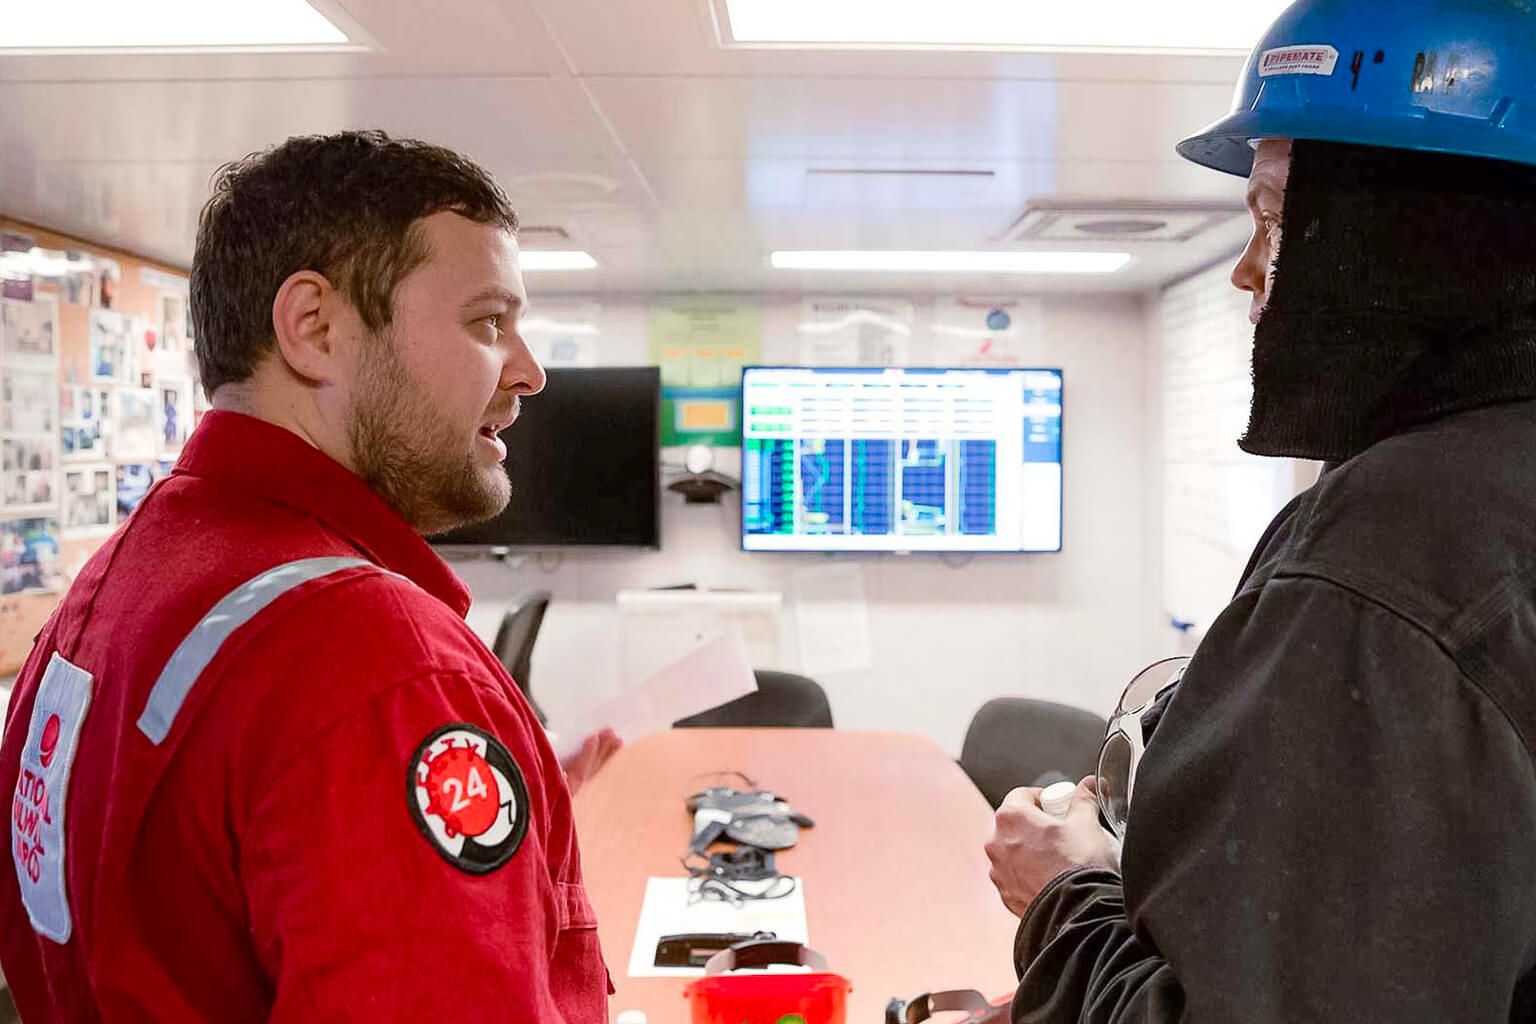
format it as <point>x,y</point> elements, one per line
<point>901,459</point>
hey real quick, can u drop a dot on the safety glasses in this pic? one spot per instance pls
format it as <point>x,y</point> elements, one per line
<point>1124,742</point>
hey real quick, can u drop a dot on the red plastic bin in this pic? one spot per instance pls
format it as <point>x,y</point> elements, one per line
<point>723,998</point>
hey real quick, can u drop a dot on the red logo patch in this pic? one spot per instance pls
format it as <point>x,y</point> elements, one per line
<point>468,797</point>
<point>49,744</point>
<point>460,791</point>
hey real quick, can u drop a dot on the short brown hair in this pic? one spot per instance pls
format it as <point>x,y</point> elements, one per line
<point>345,206</point>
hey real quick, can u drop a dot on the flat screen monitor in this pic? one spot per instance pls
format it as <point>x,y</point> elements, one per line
<point>948,460</point>
<point>584,460</point>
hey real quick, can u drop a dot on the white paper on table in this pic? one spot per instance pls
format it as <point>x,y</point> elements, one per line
<point>666,911</point>
<point>832,619</point>
<point>708,676</point>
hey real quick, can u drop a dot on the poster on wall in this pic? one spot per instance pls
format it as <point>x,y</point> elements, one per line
<point>175,326</point>
<point>988,332</point>
<point>135,434</point>
<point>30,469</point>
<point>113,348</point>
<point>90,500</point>
<point>31,400</point>
<point>701,349</point>
<point>84,414</point>
<point>173,413</point>
<point>564,334</point>
<point>29,330</point>
<point>29,556</point>
<point>134,479</point>
<point>29,406</point>
<point>855,332</point>
<point>109,278</point>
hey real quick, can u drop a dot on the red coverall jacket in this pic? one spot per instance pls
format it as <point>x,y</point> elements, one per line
<point>331,804</point>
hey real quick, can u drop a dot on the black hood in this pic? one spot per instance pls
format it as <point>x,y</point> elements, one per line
<point>1405,290</point>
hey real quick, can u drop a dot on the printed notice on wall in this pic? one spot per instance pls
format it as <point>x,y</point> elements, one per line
<point>988,332</point>
<point>701,350</point>
<point>832,619</point>
<point>854,332</point>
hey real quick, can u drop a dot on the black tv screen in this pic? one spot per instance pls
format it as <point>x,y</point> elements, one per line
<point>584,460</point>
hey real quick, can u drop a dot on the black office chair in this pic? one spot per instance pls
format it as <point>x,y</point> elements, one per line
<point>515,637</point>
<point>782,700</point>
<point>1016,742</point>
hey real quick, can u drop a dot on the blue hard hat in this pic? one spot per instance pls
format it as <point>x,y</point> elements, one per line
<point>1440,76</point>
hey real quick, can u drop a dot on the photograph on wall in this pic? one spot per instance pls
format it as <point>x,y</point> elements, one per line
<point>109,279</point>
<point>29,556</point>
<point>82,441</point>
<point>30,330</point>
<point>175,326</point>
<point>134,479</point>
<point>29,474</point>
<point>83,414</point>
<point>150,358</point>
<point>175,413</point>
<point>90,500</point>
<point>113,348</point>
<point>31,400</point>
<point>135,428</point>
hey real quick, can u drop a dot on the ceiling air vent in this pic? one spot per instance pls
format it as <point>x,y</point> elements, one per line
<point>1078,221</point>
<point>542,236</point>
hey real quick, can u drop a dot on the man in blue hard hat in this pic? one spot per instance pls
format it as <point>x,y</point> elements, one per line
<point>1333,817</point>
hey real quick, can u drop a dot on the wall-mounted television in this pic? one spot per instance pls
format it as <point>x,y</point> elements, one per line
<point>901,459</point>
<point>584,458</point>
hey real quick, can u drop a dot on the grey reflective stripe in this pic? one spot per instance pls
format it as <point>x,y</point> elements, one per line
<point>240,606</point>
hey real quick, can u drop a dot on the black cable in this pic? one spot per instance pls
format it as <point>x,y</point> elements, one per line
<point>743,776</point>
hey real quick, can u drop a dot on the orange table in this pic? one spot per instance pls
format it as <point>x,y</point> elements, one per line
<point>897,895</point>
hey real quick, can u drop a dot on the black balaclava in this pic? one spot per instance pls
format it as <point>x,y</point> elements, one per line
<point>1405,290</point>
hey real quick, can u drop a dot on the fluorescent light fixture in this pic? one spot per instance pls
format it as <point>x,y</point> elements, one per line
<point>158,25</point>
<point>1178,26</point>
<point>556,259</point>
<point>953,262</point>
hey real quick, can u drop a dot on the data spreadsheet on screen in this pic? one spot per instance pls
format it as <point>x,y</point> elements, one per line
<point>908,459</point>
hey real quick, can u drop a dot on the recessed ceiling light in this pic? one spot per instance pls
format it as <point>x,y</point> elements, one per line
<point>953,262</point>
<point>177,25</point>
<point>556,259</point>
<point>1116,25</point>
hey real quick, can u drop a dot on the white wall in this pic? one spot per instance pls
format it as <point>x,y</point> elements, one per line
<point>1070,627</point>
<point>1212,500</point>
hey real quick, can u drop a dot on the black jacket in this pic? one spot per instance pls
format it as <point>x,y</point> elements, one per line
<point>1335,819</point>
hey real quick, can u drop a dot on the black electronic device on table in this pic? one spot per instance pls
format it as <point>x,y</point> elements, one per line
<point>695,949</point>
<point>756,818</point>
<point>584,458</point>
<point>758,823</point>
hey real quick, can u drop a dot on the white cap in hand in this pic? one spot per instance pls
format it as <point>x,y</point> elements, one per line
<point>1056,799</point>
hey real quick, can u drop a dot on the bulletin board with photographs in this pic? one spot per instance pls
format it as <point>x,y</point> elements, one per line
<point>99,395</point>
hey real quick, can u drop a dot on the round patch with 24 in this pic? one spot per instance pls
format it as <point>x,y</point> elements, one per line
<point>468,797</point>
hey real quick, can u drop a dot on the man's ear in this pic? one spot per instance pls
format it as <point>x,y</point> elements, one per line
<point>308,336</point>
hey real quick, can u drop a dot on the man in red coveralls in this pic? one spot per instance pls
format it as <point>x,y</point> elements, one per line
<point>261,770</point>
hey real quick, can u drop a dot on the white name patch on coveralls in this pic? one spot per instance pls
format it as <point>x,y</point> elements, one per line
<point>37,808</point>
